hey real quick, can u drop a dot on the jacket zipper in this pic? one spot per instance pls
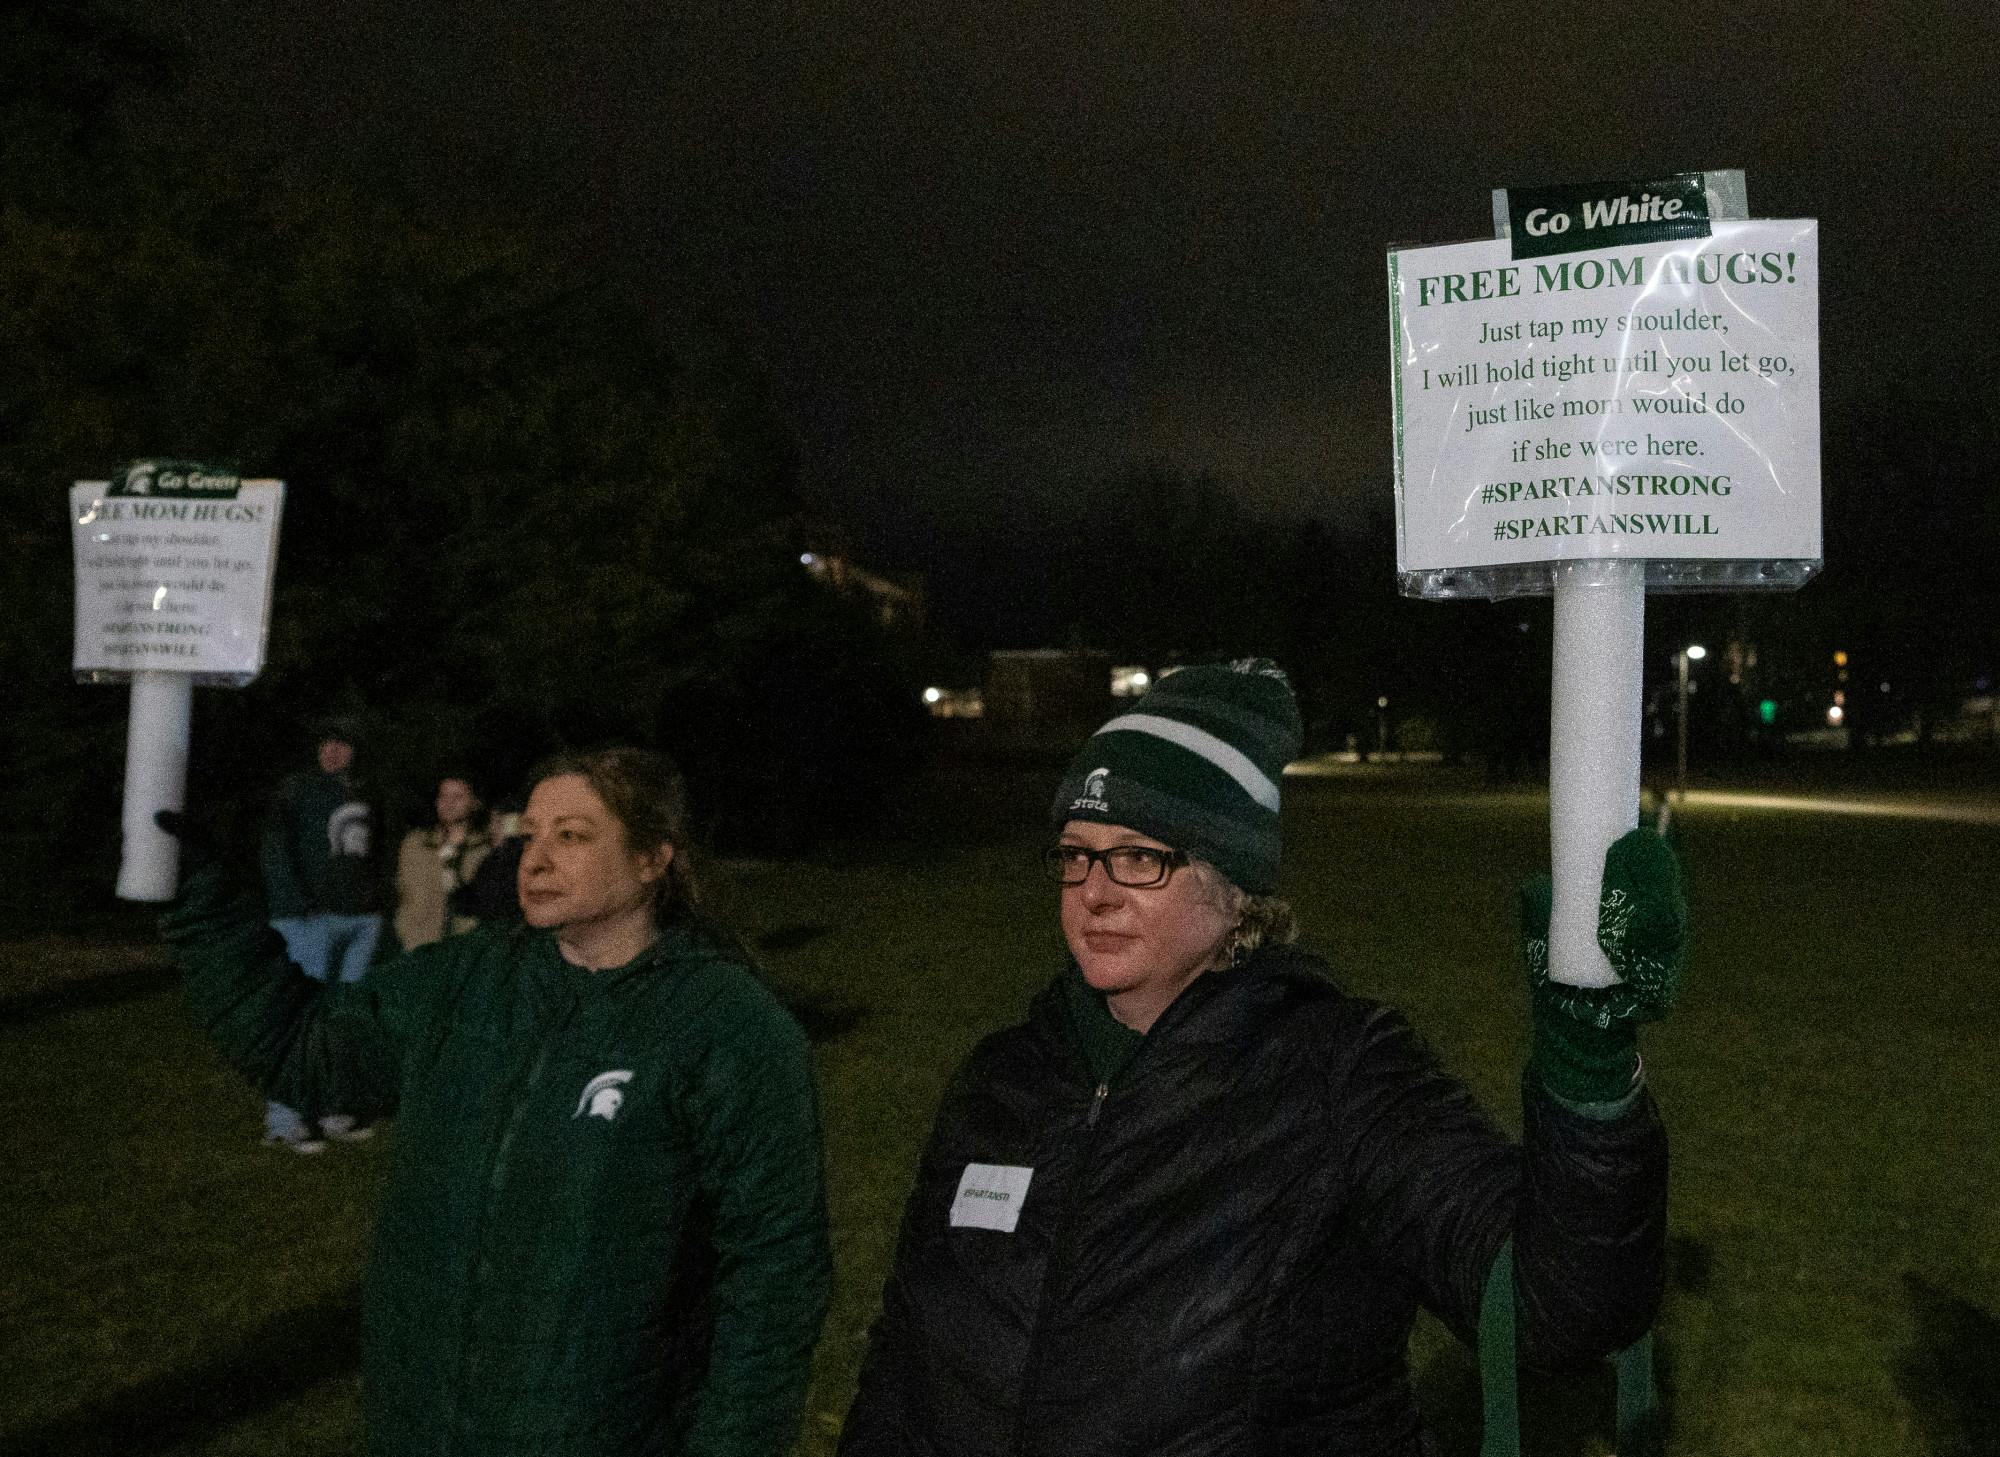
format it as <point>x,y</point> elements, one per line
<point>496,1176</point>
<point>1062,1248</point>
<point>1059,1254</point>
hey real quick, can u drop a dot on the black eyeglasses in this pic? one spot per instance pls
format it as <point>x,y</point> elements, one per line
<point>1137,867</point>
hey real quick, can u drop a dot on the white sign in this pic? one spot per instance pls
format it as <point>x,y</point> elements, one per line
<point>989,1196</point>
<point>1658,401</point>
<point>179,583</point>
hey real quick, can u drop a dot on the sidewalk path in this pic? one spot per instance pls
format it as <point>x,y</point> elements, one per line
<point>1971,804</point>
<point>1963,811</point>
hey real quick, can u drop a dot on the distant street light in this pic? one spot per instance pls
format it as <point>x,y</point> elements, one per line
<point>1693,652</point>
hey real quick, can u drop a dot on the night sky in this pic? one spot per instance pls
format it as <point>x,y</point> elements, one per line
<point>990,253</point>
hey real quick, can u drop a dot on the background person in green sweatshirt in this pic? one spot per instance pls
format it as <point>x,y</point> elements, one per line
<point>322,883</point>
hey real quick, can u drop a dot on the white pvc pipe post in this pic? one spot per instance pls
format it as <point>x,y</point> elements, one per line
<point>156,759</point>
<point>1595,698</point>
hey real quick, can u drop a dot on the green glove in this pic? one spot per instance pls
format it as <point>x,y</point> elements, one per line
<point>1586,1048</point>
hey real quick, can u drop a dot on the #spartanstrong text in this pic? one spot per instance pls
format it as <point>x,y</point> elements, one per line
<point>1555,488</point>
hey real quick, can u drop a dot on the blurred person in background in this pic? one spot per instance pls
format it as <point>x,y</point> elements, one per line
<point>322,887</point>
<point>435,863</point>
<point>491,895</point>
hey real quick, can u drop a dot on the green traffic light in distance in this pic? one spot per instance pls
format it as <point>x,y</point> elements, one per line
<point>1767,710</point>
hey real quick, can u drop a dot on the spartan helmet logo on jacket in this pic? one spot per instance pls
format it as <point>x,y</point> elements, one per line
<point>602,1095</point>
<point>347,832</point>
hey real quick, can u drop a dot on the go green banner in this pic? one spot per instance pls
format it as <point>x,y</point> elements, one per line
<point>175,478</point>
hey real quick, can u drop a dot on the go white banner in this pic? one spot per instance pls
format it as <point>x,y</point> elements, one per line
<point>1657,401</point>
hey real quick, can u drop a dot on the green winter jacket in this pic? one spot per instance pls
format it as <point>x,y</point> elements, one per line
<point>605,1227</point>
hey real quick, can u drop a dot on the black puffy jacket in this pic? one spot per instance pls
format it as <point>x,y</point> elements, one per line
<point>1224,1253</point>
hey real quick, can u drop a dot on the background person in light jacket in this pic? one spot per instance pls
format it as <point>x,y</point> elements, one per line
<point>435,863</point>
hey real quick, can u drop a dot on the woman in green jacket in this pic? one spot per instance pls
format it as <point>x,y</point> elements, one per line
<point>604,1231</point>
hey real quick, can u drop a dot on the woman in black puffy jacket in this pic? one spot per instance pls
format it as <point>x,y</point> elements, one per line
<point>1192,1203</point>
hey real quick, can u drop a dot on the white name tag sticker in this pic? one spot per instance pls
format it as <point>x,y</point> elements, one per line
<point>989,1196</point>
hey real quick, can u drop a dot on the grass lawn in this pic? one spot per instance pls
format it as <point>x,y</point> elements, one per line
<point>169,1286</point>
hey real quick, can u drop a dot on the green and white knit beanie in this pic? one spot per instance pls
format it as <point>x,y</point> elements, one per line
<point>1195,765</point>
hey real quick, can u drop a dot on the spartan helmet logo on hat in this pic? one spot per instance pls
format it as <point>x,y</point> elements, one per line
<point>1092,797</point>
<point>602,1097</point>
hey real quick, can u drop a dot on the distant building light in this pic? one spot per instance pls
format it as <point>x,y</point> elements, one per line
<point>806,559</point>
<point>1129,682</point>
<point>1839,697</point>
<point>955,702</point>
<point>1885,687</point>
<point>1835,714</point>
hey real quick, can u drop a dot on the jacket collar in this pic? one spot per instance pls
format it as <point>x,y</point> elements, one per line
<point>1222,1006</point>
<point>671,945</point>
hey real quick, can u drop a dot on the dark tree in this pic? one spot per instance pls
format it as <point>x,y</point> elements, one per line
<point>514,518</point>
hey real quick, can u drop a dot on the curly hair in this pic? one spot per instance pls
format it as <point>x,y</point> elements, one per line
<point>1261,920</point>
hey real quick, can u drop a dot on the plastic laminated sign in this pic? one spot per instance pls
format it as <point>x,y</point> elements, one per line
<point>1621,375</point>
<point>173,573</point>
